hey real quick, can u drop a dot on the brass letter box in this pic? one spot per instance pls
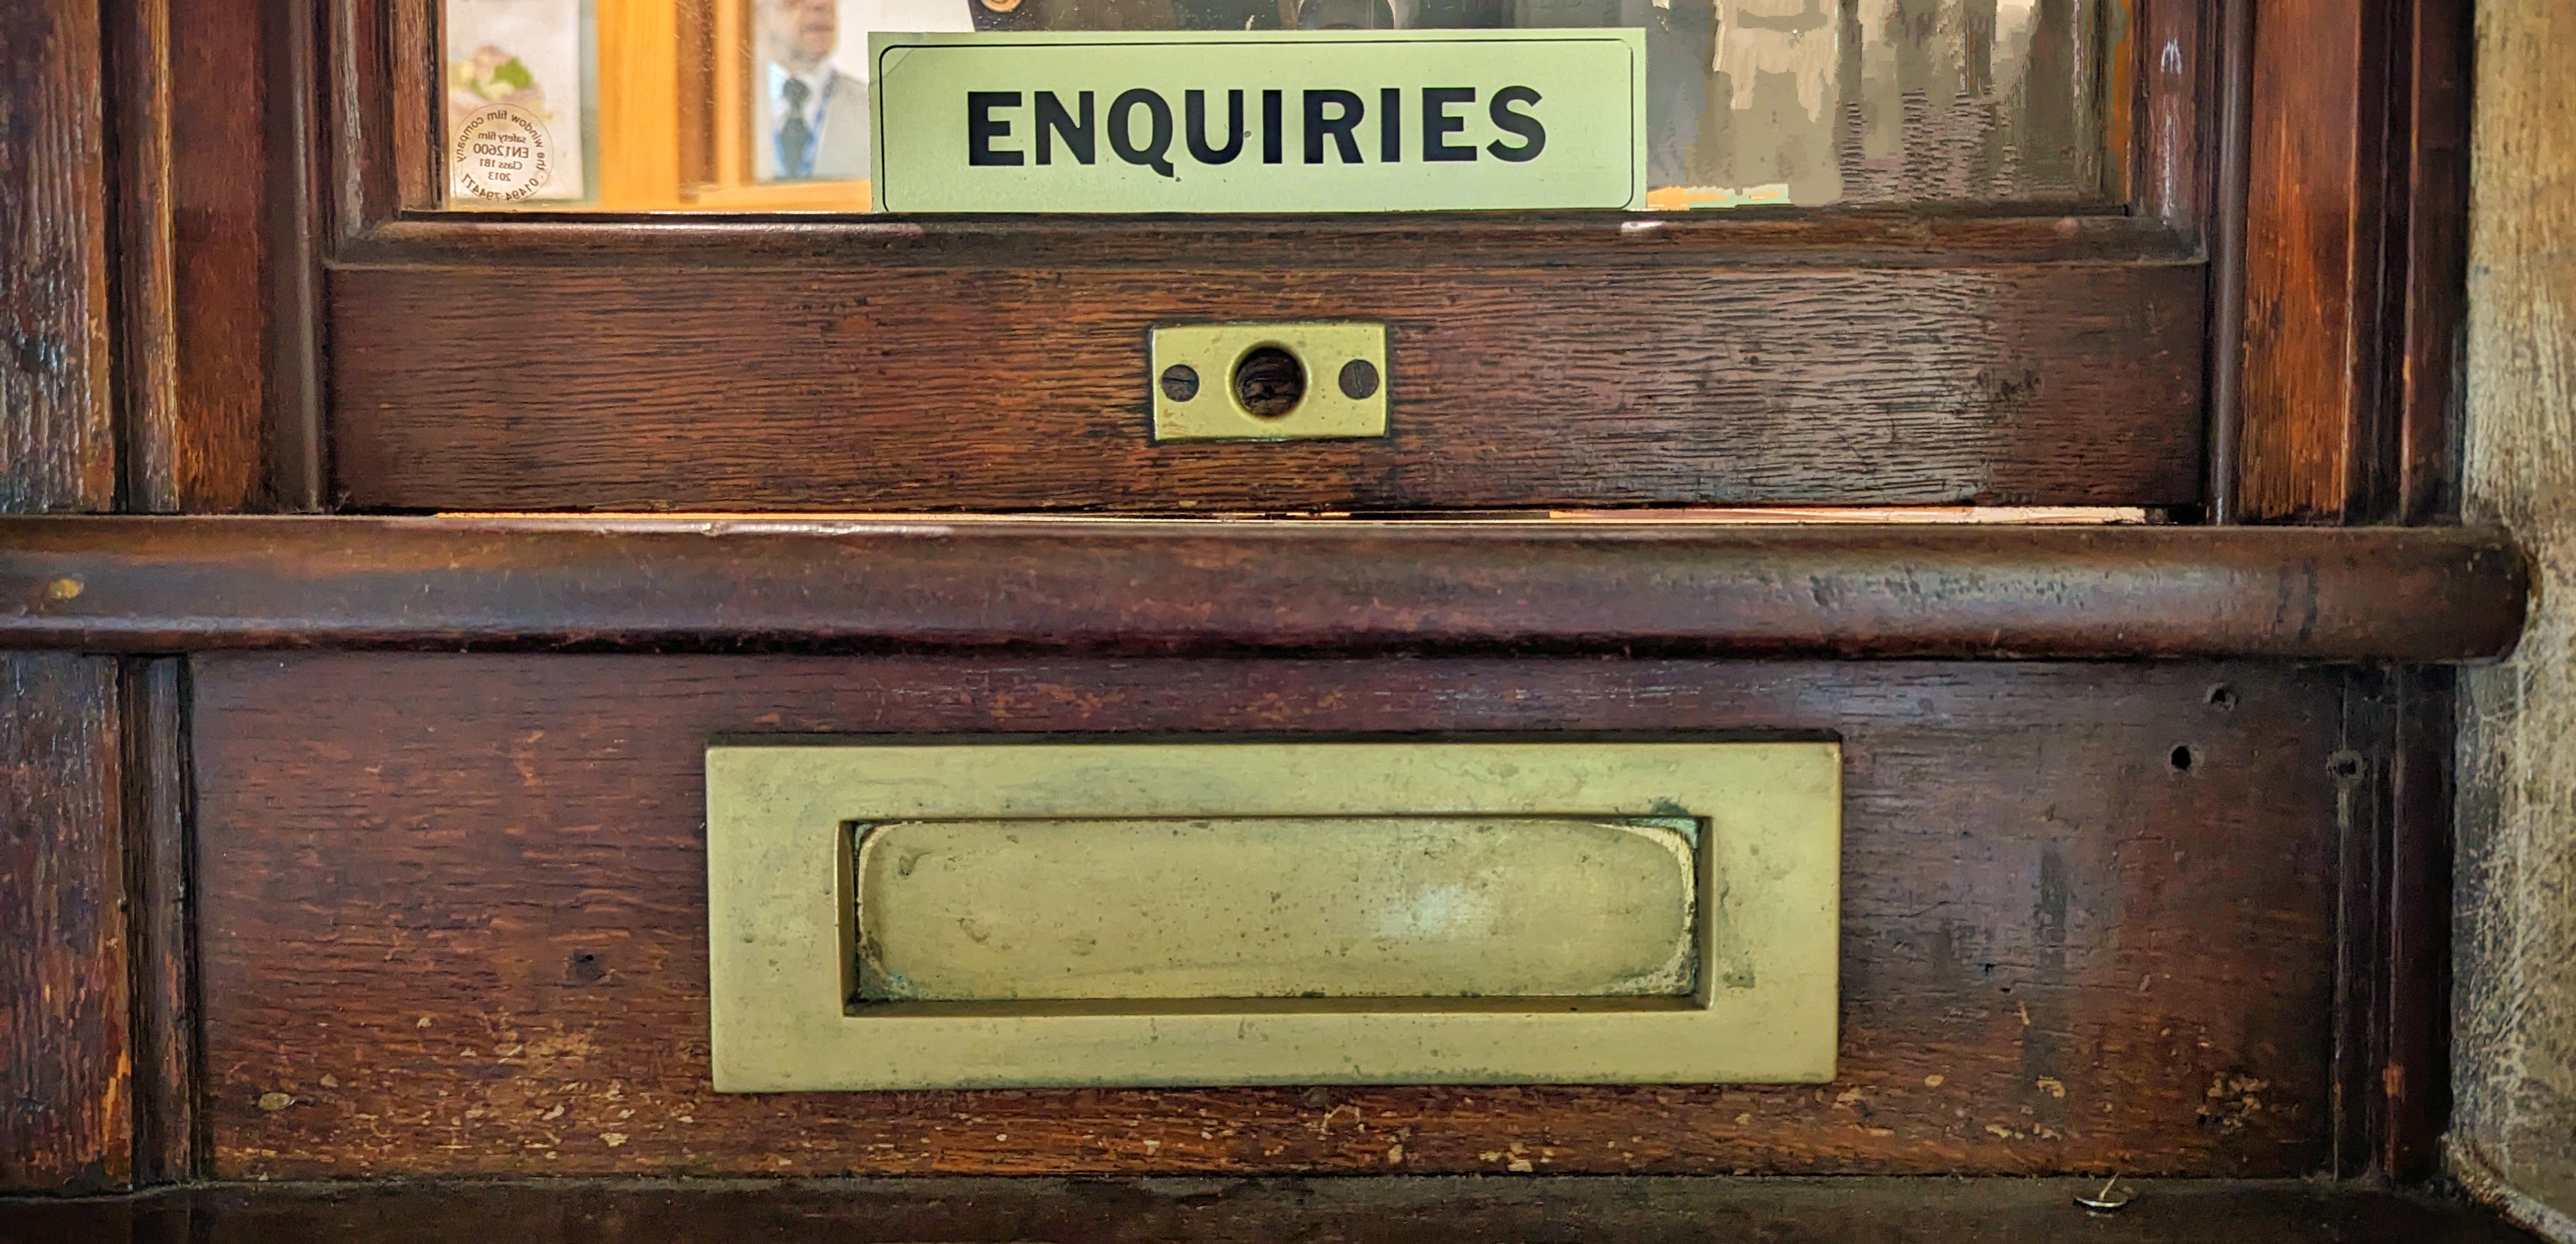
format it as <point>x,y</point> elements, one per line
<point>1019,913</point>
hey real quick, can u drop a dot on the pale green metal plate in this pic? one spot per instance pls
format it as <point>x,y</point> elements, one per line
<point>1283,913</point>
<point>1331,121</point>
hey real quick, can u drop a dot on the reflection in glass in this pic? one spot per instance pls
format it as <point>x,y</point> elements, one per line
<point>759,105</point>
<point>516,78</point>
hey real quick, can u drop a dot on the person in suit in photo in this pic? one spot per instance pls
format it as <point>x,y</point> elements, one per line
<point>814,118</point>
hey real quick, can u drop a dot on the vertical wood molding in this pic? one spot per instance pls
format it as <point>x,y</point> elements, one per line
<point>2415,1067</point>
<point>219,96</point>
<point>137,34</point>
<point>2431,259</point>
<point>2311,256</point>
<point>153,711</point>
<point>2354,262</point>
<point>297,205</point>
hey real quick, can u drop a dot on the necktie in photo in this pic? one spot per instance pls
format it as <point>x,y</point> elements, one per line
<point>795,137</point>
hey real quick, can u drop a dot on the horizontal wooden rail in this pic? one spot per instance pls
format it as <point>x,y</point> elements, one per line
<point>1150,586</point>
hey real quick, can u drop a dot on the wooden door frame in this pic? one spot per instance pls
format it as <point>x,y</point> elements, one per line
<point>166,224</point>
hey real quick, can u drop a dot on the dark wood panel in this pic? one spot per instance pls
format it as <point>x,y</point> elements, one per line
<point>2399,1080</point>
<point>454,920</point>
<point>1642,1210</point>
<point>65,1111</point>
<point>65,1107</point>
<point>160,929</point>
<point>57,432</point>
<point>2430,259</point>
<point>653,387</point>
<point>159,585</point>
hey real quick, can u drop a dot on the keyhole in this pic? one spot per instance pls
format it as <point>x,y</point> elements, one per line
<point>1269,382</point>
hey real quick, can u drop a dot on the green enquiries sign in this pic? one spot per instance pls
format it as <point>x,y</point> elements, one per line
<point>1271,121</point>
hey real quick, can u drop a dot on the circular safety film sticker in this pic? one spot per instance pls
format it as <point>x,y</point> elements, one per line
<point>502,154</point>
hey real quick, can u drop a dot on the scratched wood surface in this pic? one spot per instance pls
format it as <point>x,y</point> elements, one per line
<point>647,386</point>
<point>57,432</point>
<point>64,1105</point>
<point>453,919</point>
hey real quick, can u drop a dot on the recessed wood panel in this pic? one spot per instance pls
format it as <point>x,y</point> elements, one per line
<point>454,918</point>
<point>654,386</point>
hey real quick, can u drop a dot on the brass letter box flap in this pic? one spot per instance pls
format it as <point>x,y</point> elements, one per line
<point>992,913</point>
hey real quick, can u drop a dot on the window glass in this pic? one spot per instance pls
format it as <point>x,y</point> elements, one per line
<point>762,105</point>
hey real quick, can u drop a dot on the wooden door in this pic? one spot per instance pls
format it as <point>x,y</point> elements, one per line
<point>392,857</point>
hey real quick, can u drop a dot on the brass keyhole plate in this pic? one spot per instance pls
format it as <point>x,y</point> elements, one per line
<point>1268,382</point>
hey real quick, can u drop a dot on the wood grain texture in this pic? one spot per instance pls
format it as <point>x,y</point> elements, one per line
<point>57,430</point>
<point>66,1107</point>
<point>1433,1210</point>
<point>652,388</point>
<point>2415,1070</point>
<point>453,919</point>
<point>2357,218</point>
<point>1093,585</point>
<point>220,95</point>
<point>2430,261</point>
<point>1334,244</point>
<point>161,932</point>
<point>2313,232</point>
<point>137,68</point>
<point>188,99</point>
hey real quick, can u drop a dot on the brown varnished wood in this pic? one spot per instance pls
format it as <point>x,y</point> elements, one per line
<point>452,911</point>
<point>2231,130</point>
<point>2177,77</point>
<point>312,116</point>
<point>57,429</point>
<point>2355,263</point>
<point>158,585</point>
<point>2392,1036</point>
<point>1600,360</point>
<point>66,1120</point>
<point>2431,260</point>
<point>1414,1210</point>
<point>65,1105</point>
<point>2310,349</point>
<point>137,68</point>
<point>221,94</point>
<point>188,102</point>
<point>660,387</point>
<point>1334,244</point>
<point>359,155</point>
<point>2413,1078</point>
<point>414,72</point>
<point>160,931</point>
